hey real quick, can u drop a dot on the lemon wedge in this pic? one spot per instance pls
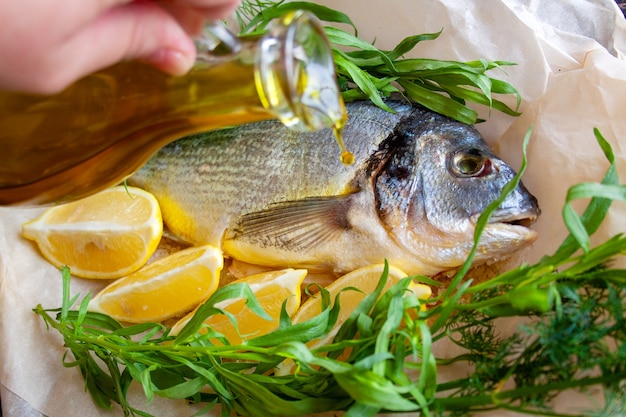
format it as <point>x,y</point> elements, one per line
<point>365,279</point>
<point>163,289</point>
<point>107,235</point>
<point>271,289</point>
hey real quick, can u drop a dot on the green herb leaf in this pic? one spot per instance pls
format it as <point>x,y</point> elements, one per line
<point>253,15</point>
<point>602,194</point>
<point>364,71</point>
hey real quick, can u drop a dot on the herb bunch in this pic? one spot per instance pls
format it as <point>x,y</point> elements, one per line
<point>364,71</point>
<point>384,358</point>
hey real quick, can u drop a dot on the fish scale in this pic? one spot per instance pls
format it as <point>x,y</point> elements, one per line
<point>271,196</point>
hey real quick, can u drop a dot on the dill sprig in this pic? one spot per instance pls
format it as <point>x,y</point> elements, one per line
<point>384,358</point>
<point>364,71</point>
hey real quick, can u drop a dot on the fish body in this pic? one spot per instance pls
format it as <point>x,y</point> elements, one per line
<point>271,196</point>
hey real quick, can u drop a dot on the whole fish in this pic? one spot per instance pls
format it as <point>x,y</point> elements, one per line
<point>270,196</point>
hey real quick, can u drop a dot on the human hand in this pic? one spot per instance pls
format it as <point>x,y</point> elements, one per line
<point>47,45</point>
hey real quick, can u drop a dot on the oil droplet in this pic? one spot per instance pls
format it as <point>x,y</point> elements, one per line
<point>347,157</point>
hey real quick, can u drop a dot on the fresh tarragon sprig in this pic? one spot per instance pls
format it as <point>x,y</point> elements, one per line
<point>364,71</point>
<point>384,358</point>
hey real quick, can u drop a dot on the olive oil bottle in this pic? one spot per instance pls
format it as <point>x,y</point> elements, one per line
<point>105,126</point>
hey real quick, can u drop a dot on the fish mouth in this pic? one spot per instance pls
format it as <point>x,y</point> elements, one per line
<point>522,219</point>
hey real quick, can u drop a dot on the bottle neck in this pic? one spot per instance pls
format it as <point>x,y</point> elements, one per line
<point>294,69</point>
<point>296,76</point>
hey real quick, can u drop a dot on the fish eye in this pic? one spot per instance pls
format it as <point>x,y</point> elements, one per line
<point>469,163</point>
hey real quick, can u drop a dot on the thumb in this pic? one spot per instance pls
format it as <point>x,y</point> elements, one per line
<point>137,30</point>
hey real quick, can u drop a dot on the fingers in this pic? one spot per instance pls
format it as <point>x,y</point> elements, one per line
<point>138,30</point>
<point>219,11</point>
<point>191,20</point>
<point>62,44</point>
<point>162,38</point>
<point>209,9</point>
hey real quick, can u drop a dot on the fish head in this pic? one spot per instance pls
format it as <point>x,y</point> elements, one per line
<point>435,179</point>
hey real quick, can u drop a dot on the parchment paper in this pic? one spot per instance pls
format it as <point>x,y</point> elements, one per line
<point>571,73</point>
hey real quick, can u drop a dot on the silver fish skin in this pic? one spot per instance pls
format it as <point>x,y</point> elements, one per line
<point>270,196</point>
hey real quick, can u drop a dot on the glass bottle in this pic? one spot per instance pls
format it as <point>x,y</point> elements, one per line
<point>104,127</point>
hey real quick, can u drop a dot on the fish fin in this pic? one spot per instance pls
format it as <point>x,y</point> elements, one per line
<point>295,225</point>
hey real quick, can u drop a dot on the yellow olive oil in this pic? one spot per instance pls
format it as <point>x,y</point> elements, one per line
<point>105,126</point>
<point>110,123</point>
<point>346,157</point>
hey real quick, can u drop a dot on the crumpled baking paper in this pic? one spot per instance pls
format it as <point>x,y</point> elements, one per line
<point>571,73</point>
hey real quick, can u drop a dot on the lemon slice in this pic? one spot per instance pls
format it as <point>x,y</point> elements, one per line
<point>107,235</point>
<point>271,289</point>
<point>163,289</point>
<point>365,279</point>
